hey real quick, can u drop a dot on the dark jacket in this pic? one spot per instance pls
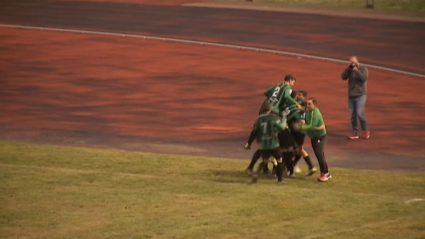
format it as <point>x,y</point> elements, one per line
<point>357,81</point>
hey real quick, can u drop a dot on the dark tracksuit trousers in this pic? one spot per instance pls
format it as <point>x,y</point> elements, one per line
<point>318,145</point>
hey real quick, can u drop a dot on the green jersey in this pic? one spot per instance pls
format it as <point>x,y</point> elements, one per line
<point>300,116</point>
<point>280,99</point>
<point>266,128</point>
<point>276,96</point>
<point>313,119</point>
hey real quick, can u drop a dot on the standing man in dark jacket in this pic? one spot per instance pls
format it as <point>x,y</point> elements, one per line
<point>357,75</point>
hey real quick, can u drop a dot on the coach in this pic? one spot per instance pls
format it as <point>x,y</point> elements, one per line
<point>357,75</point>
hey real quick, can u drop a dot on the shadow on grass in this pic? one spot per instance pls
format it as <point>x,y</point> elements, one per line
<point>228,173</point>
<point>240,177</point>
<point>229,176</point>
<point>229,181</point>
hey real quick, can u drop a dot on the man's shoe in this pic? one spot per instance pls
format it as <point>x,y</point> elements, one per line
<point>353,136</point>
<point>311,171</point>
<point>324,177</point>
<point>366,134</point>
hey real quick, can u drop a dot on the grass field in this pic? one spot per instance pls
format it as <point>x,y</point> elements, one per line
<point>65,192</point>
<point>396,5</point>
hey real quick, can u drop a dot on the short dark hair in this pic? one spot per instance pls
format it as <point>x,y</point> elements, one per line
<point>289,77</point>
<point>304,93</point>
<point>303,103</point>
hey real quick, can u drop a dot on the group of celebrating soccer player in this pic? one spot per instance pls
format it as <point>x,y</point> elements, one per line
<point>284,119</point>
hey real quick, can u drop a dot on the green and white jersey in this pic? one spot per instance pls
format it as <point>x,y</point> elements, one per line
<point>267,126</point>
<point>280,99</point>
<point>276,96</point>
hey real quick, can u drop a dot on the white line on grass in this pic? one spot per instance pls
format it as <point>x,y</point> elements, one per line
<point>413,200</point>
<point>208,44</point>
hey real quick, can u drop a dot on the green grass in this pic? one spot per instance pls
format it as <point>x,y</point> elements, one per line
<point>65,192</point>
<point>396,5</point>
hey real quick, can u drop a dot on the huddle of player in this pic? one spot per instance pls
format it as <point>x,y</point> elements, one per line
<point>284,119</point>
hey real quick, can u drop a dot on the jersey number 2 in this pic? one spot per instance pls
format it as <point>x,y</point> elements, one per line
<point>275,94</point>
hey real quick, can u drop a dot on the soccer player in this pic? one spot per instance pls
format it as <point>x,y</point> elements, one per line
<point>299,136</point>
<point>279,99</point>
<point>315,128</point>
<point>265,130</point>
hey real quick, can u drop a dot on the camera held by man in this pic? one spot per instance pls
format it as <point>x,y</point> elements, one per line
<point>353,65</point>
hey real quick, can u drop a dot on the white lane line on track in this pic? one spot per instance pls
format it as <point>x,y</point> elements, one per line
<point>208,44</point>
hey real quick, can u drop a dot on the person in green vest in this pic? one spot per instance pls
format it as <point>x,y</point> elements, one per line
<point>315,129</point>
